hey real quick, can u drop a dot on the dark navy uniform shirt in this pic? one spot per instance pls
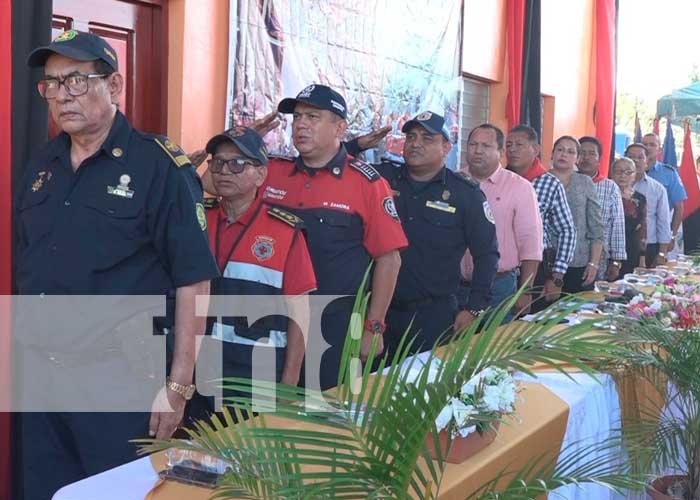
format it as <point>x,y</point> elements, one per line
<point>442,218</point>
<point>130,220</point>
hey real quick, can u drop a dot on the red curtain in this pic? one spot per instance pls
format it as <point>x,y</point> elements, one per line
<point>605,77</point>
<point>5,234</point>
<point>515,23</point>
<point>688,175</point>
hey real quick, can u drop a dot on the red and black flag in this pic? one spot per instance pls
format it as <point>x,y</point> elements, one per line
<point>691,206</point>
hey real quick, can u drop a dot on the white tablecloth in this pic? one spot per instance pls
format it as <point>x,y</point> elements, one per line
<point>594,411</point>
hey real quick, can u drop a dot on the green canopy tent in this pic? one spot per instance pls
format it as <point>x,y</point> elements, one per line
<point>681,104</point>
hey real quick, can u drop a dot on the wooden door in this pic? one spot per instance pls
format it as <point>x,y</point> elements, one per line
<point>137,29</point>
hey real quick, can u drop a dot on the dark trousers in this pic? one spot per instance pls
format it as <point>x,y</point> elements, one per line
<point>651,254</point>
<point>432,321</point>
<point>573,281</point>
<point>539,303</point>
<point>61,448</point>
<point>238,361</point>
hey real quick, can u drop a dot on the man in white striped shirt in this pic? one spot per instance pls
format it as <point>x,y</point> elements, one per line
<point>658,214</point>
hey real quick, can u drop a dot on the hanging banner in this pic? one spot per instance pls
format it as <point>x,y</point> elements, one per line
<point>389,58</point>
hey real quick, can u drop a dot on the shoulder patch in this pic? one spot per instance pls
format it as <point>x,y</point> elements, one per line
<point>286,217</point>
<point>464,177</point>
<point>174,151</point>
<point>280,157</point>
<point>365,169</point>
<point>210,202</point>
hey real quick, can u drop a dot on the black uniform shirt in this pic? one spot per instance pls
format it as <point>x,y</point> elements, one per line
<point>442,218</point>
<point>130,220</point>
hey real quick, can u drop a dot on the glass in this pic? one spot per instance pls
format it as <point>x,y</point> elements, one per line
<point>235,165</point>
<point>76,85</point>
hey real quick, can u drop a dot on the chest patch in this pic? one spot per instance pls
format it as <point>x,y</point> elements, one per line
<point>263,248</point>
<point>441,205</point>
<point>488,213</point>
<point>41,177</point>
<point>122,189</point>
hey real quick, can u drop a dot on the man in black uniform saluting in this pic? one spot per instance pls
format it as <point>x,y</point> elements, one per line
<point>442,214</point>
<point>105,210</point>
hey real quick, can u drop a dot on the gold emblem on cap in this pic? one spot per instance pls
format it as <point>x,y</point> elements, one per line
<point>336,170</point>
<point>66,35</point>
<point>117,152</point>
<point>445,195</point>
<point>110,53</point>
<point>425,115</point>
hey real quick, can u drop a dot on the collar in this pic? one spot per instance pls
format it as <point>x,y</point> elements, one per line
<point>335,166</point>
<point>497,176</point>
<point>115,145</point>
<point>598,177</point>
<point>535,171</point>
<point>440,176</point>
<point>247,215</point>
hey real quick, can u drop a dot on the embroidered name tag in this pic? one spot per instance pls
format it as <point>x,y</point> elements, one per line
<point>441,205</point>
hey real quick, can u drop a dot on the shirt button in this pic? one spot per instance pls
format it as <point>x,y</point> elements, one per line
<point>307,185</point>
<point>53,248</point>
<point>301,203</point>
<point>67,203</point>
<point>410,218</point>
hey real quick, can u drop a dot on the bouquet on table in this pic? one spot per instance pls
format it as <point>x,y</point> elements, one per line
<point>484,399</point>
<point>675,303</point>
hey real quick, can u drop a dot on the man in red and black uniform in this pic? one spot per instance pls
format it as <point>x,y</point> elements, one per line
<point>349,213</point>
<point>260,250</point>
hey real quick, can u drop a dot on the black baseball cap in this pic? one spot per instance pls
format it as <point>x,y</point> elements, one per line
<point>247,140</point>
<point>318,96</point>
<point>77,45</point>
<point>432,122</point>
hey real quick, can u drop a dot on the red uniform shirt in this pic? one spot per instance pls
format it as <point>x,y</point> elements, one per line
<point>270,251</point>
<point>348,210</point>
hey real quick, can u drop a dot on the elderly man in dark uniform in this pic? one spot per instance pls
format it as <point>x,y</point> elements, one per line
<point>443,214</point>
<point>104,209</point>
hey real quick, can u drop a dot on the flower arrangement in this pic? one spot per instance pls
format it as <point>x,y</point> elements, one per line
<point>490,394</point>
<point>485,398</point>
<point>675,305</point>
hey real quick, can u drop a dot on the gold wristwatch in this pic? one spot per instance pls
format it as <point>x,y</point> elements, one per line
<point>186,391</point>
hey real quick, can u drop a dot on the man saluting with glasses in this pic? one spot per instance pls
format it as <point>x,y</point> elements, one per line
<point>104,209</point>
<point>260,250</point>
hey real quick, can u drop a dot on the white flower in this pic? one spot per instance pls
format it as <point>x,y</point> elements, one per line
<point>444,418</point>
<point>465,431</point>
<point>492,398</point>
<point>462,412</point>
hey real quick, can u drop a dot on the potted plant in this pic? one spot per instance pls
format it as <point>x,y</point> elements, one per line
<point>368,440</point>
<point>665,440</point>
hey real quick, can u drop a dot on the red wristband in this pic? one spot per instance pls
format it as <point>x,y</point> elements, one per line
<point>375,326</point>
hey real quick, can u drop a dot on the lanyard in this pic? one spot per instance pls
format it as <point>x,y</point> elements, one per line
<point>238,238</point>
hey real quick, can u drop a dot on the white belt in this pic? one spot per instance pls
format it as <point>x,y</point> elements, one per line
<point>227,333</point>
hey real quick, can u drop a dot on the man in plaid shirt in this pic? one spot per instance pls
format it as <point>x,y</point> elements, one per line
<point>612,212</point>
<point>522,150</point>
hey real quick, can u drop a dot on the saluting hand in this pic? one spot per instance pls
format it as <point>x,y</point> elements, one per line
<point>197,157</point>
<point>267,123</point>
<point>372,140</point>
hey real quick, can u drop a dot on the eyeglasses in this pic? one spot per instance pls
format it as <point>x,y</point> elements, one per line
<point>624,172</point>
<point>76,85</point>
<point>235,165</point>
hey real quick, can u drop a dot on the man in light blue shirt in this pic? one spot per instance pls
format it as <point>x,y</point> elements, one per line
<point>658,240</point>
<point>668,176</point>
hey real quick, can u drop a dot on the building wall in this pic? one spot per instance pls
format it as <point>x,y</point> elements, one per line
<point>198,61</point>
<point>197,70</point>
<point>567,63</point>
